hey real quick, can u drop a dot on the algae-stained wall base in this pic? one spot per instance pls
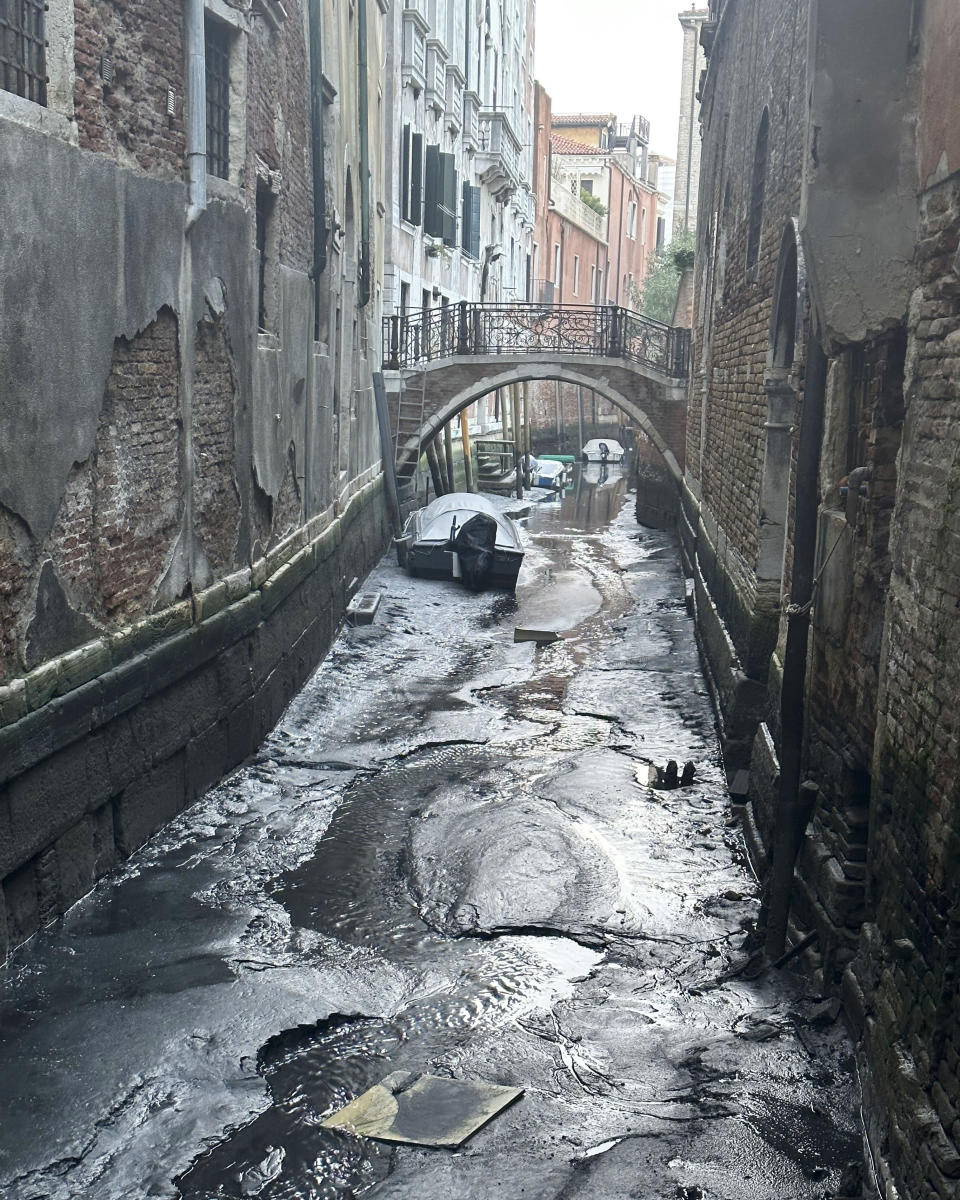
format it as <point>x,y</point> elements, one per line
<point>114,739</point>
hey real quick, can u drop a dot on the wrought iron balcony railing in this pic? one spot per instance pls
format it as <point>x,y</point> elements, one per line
<point>605,331</point>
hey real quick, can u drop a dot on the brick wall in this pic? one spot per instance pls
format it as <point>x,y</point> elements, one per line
<point>128,119</point>
<point>278,130</point>
<point>906,984</point>
<point>762,68</point>
<point>216,493</point>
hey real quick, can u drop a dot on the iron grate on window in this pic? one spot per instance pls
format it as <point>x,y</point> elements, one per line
<point>23,68</point>
<point>218,98</point>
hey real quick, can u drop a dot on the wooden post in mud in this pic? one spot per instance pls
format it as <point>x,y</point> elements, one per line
<point>517,440</point>
<point>448,454</point>
<point>467,460</point>
<point>527,442</point>
<point>434,464</point>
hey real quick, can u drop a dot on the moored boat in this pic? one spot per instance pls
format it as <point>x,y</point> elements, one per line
<point>603,450</point>
<point>548,474</point>
<point>462,536</point>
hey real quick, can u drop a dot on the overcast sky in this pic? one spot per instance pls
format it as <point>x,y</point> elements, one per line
<point>619,56</point>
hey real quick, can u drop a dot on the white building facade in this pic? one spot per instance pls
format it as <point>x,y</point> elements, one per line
<point>459,131</point>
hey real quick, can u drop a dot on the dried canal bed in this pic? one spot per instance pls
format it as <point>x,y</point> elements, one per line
<point>445,859</point>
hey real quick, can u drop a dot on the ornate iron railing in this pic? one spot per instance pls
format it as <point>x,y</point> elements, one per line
<point>605,331</point>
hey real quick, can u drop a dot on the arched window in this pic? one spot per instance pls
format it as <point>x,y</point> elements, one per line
<point>758,185</point>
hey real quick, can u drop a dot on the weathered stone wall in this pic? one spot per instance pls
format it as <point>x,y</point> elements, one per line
<point>100,747</point>
<point>128,118</point>
<point>877,874</point>
<point>161,456</point>
<point>905,986</point>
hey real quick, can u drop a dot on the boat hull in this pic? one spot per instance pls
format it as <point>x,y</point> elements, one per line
<point>433,561</point>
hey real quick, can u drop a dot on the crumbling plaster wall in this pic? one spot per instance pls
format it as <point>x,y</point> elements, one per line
<point>69,300</point>
<point>859,214</point>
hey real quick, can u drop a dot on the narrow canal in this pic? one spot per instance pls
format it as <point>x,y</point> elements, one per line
<point>449,857</point>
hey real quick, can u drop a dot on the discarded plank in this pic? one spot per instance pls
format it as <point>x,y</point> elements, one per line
<point>424,1110</point>
<point>543,637</point>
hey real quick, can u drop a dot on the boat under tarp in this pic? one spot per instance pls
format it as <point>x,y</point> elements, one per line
<point>603,450</point>
<point>462,536</point>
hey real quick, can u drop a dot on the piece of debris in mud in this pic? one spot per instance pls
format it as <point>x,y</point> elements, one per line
<point>424,1110</point>
<point>543,637</point>
<point>670,776</point>
<point>363,608</point>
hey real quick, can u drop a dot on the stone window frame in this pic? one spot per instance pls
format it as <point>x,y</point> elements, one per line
<point>239,26</point>
<point>56,117</point>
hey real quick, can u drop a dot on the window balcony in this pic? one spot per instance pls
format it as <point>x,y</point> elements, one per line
<point>498,154</point>
<point>413,61</point>
<point>571,207</point>
<point>454,98</point>
<point>471,121</point>
<point>436,74</point>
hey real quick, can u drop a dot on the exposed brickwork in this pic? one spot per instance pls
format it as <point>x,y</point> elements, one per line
<point>732,321</point>
<point>121,509</point>
<point>286,509</point>
<point>128,119</point>
<point>912,1025</point>
<point>16,557</point>
<point>216,495</point>
<point>278,130</point>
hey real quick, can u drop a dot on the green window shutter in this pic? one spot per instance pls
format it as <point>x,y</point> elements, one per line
<point>405,174</point>
<point>466,209</point>
<point>433,193</point>
<point>416,179</point>
<point>475,222</point>
<point>449,171</point>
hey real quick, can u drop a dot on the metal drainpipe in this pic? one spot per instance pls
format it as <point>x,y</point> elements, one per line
<point>318,151</point>
<point>364,295</point>
<point>794,808</point>
<point>196,111</point>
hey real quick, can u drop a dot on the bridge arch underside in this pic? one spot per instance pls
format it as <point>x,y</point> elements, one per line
<point>656,403</point>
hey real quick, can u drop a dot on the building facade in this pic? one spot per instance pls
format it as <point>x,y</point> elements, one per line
<point>818,523</point>
<point>459,137</point>
<point>189,448</point>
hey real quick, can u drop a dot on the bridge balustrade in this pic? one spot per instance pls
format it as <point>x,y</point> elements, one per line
<point>606,331</point>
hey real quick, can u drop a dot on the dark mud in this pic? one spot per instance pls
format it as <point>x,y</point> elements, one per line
<point>446,858</point>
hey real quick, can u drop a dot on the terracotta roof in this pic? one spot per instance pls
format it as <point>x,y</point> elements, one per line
<point>565,145</point>
<point>583,118</point>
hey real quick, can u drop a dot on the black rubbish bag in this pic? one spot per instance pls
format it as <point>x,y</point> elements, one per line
<point>474,544</point>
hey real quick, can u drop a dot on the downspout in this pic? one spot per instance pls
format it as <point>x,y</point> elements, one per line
<point>318,151</point>
<point>619,234</point>
<point>794,804</point>
<point>196,111</point>
<point>364,291</point>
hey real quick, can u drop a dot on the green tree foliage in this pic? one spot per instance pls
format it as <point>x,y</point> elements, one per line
<point>658,292</point>
<point>592,201</point>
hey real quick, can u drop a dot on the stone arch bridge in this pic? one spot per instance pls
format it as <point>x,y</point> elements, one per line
<point>440,360</point>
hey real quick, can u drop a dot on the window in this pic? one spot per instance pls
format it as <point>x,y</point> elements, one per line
<point>586,185</point>
<point>556,264</point>
<point>440,196</point>
<point>217,38</point>
<point>758,184</point>
<point>631,218</point>
<point>411,176</point>
<point>266,236</point>
<point>576,274</point>
<point>593,284</point>
<point>470,221</point>
<point>661,231</point>
<point>643,226</point>
<point>23,68</point>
